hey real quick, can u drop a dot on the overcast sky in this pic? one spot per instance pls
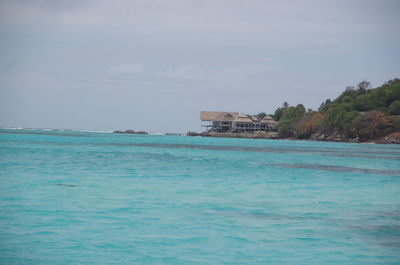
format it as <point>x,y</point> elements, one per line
<point>153,65</point>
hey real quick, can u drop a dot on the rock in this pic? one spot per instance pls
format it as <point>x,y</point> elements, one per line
<point>129,131</point>
<point>192,134</point>
<point>141,132</point>
<point>126,131</point>
<point>392,140</point>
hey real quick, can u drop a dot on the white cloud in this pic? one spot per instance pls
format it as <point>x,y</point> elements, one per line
<point>239,71</point>
<point>185,72</point>
<point>249,69</point>
<point>126,69</point>
<point>310,25</point>
<point>308,18</point>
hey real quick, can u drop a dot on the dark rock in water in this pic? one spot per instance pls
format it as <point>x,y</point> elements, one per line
<point>66,185</point>
<point>192,134</point>
<point>141,132</point>
<point>130,131</point>
<point>174,134</point>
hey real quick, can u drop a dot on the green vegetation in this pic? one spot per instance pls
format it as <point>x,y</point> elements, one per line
<point>290,118</point>
<point>360,113</point>
<point>261,115</point>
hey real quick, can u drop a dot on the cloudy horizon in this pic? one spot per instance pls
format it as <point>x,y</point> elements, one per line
<point>154,65</point>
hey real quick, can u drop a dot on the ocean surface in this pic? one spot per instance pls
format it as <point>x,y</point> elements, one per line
<point>72,197</point>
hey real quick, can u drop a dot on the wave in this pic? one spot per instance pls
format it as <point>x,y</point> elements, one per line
<point>14,128</point>
<point>92,131</point>
<point>55,130</point>
<point>157,133</point>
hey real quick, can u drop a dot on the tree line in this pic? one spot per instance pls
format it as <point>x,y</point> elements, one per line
<point>361,113</point>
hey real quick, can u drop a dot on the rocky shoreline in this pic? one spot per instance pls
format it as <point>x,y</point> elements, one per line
<point>393,138</point>
<point>250,135</point>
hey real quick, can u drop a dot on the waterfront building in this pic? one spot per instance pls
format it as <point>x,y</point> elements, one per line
<point>235,122</point>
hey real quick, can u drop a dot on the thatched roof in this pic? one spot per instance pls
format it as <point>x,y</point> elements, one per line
<point>232,116</point>
<point>217,116</point>
<point>268,119</point>
<point>243,118</point>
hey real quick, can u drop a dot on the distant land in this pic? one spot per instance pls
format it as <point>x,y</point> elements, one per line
<point>359,114</point>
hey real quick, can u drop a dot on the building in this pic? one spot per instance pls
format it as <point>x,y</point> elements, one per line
<point>235,122</point>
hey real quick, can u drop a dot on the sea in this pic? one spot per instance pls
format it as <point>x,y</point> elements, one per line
<point>76,197</point>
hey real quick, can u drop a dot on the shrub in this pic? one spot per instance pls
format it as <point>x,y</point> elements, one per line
<point>394,108</point>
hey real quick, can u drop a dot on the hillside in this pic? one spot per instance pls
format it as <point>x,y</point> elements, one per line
<point>359,114</point>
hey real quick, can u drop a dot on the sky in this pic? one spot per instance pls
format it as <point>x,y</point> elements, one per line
<point>154,65</point>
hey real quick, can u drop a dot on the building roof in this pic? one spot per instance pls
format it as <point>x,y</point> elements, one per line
<point>232,116</point>
<point>268,119</point>
<point>217,116</point>
<point>243,118</point>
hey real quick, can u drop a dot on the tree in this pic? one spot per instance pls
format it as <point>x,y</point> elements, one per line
<point>394,108</point>
<point>261,115</point>
<point>308,124</point>
<point>325,105</point>
<point>362,103</point>
<point>363,86</point>
<point>372,125</point>
<point>289,119</point>
<point>285,105</point>
<point>396,123</point>
<point>279,111</point>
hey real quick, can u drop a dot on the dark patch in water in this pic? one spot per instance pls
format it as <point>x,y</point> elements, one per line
<point>271,216</point>
<point>385,235</point>
<point>66,185</point>
<point>299,150</point>
<point>277,217</point>
<point>308,151</point>
<point>364,156</point>
<point>339,169</point>
<point>395,214</point>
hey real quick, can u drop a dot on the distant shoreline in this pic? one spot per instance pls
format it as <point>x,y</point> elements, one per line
<point>389,139</point>
<point>393,138</point>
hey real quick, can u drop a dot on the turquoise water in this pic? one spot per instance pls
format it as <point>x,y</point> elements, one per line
<point>99,198</point>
